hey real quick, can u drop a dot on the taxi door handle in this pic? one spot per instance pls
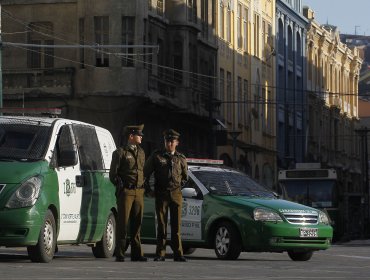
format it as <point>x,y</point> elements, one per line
<point>80,181</point>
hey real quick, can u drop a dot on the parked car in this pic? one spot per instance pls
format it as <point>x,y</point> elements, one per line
<point>54,186</point>
<point>224,209</point>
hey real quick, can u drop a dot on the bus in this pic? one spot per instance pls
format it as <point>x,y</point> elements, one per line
<point>314,187</point>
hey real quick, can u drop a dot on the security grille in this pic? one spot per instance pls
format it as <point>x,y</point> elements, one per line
<point>302,218</point>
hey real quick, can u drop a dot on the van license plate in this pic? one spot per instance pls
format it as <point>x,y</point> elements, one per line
<point>308,232</point>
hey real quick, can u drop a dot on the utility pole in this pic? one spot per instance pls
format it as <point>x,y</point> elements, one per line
<point>356,26</point>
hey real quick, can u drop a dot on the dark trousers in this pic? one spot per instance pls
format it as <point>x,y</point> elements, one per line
<point>163,202</point>
<point>130,205</point>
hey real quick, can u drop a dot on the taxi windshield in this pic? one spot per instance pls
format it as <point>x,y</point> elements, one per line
<point>231,182</point>
<point>22,141</point>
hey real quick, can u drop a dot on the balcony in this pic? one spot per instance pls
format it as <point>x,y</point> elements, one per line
<point>54,82</point>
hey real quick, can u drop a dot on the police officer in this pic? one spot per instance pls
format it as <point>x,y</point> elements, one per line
<point>126,173</point>
<point>170,173</point>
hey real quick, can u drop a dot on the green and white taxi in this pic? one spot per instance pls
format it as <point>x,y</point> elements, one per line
<point>225,210</point>
<point>54,186</point>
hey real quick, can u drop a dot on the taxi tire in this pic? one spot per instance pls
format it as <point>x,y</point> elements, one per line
<point>106,246</point>
<point>44,250</point>
<point>300,256</point>
<point>227,238</point>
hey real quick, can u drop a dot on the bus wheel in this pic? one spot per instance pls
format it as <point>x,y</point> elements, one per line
<point>105,247</point>
<point>300,256</point>
<point>44,250</point>
<point>227,241</point>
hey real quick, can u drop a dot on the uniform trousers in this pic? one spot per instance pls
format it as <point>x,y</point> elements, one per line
<point>130,204</point>
<point>164,201</point>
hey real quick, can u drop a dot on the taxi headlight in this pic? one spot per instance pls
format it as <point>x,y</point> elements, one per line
<point>323,218</point>
<point>26,195</point>
<point>261,214</point>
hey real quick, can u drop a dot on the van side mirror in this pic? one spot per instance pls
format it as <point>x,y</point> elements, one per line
<point>67,158</point>
<point>189,192</point>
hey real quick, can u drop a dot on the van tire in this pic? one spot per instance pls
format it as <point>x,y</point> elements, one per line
<point>227,241</point>
<point>300,256</point>
<point>106,246</point>
<point>44,250</point>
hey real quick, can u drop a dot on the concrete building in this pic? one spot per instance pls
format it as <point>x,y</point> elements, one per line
<point>161,74</point>
<point>291,112</point>
<point>332,84</point>
<point>246,72</point>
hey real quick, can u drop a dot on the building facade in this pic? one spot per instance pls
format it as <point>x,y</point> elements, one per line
<point>246,74</point>
<point>291,113</point>
<point>332,85</point>
<point>151,62</point>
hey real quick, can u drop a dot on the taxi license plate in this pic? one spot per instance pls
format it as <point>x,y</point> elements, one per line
<point>308,232</point>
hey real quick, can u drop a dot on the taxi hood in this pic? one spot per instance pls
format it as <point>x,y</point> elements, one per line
<point>279,205</point>
<point>14,172</point>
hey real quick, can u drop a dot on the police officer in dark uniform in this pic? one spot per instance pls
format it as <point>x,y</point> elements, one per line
<point>126,173</point>
<point>170,174</point>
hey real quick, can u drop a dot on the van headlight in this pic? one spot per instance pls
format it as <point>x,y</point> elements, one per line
<point>323,218</point>
<point>26,195</point>
<point>261,214</point>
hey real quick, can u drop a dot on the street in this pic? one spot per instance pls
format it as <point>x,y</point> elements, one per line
<point>348,261</point>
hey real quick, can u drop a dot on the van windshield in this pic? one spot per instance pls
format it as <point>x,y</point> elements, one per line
<point>231,182</point>
<point>22,141</point>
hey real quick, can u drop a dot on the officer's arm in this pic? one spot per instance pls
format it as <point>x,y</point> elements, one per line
<point>113,171</point>
<point>148,170</point>
<point>184,172</point>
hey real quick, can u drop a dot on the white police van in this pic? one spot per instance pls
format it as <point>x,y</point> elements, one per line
<point>54,186</point>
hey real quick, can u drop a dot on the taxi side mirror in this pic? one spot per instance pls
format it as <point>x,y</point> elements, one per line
<point>189,192</point>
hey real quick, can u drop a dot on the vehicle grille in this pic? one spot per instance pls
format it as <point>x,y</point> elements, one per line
<point>302,218</point>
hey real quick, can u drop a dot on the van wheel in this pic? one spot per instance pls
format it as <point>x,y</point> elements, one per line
<point>300,256</point>
<point>105,247</point>
<point>44,250</point>
<point>227,241</point>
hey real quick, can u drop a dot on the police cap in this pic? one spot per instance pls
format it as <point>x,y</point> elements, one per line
<point>170,134</point>
<point>134,129</point>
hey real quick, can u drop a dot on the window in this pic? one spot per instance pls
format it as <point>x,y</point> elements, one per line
<point>228,25</point>
<point>246,102</point>
<point>204,18</point>
<point>81,28</point>
<point>240,101</point>
<point>222,21</point>
<point>192,8</point>
<point>222,90</point>
<point>177,62</point>
<point>128,35</point>
<point>256,35</point>
<point>101,27</point>
<point>245,29</point>
<point>229,96</point>
<point>239,26</point>
<point>160,7</point>
<point>41,34</point>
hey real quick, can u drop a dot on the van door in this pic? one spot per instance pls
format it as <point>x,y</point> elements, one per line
<point>69,194</point>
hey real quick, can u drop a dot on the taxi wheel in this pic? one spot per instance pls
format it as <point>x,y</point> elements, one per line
<point>227,241</point>
<point>105,247</point>
<point>300,256</point>
<point>44,250</point>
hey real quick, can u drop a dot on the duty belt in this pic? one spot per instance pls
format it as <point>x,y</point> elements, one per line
<point>132,187</point>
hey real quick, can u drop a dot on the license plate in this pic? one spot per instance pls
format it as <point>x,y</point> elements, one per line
<point>308,232</point>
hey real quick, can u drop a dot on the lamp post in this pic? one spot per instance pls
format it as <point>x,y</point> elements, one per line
<point>234,135</point>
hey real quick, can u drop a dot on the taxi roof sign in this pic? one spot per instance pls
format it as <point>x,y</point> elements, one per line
<point>204,161</point>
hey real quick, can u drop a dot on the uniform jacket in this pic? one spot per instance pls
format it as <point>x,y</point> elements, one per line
<point>170,171</point>
<point>127,165</point>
